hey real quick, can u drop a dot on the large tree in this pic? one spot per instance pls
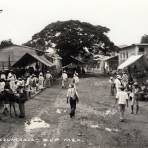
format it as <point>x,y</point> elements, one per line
<point>73,38</point>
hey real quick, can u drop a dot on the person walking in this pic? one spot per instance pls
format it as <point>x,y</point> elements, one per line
<point>118,83</point>
<point>135,98</point>
<point>64,79</point>
<point>122,98</point>
<point>72,98</point>
<point>76,80</point>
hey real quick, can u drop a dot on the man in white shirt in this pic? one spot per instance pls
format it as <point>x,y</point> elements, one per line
<point>118,83</point>
<point>64,79</point>
<point>76,80</point>
<point>122,98</point>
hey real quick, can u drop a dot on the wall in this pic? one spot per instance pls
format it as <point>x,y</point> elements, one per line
<point>124,54</point>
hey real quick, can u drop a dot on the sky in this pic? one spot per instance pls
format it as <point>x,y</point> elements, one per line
<point>126,19</point>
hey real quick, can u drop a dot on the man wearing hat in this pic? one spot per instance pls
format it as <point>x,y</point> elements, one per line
<point>76,79</point>
<point>118,83</point>
<point>48,78</point>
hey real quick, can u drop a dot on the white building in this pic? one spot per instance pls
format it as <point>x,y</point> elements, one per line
<point>130,50</point>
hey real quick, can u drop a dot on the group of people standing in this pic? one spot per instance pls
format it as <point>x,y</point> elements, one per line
<point>18,90</point>
<point>124,90</point>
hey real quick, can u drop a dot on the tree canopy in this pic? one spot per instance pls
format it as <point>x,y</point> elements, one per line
<point>144,39</point>
<point>73,38</point>
<point>5,43</point>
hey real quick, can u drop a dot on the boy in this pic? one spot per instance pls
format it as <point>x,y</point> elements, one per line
<point>122,98</point>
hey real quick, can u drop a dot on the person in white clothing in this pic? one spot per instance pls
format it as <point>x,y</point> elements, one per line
<point>3,76</point>
<point>48,79</point>
<point>2,85</point>
<point>76,80</point>
<point>41,81</point>
<point>118,83</point>
<point>64,79</point>
<point>122,98</point>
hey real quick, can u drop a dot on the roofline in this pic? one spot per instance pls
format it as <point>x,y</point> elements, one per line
<point>30,48</point>
<point>132,45</point>
<point>25,47</point>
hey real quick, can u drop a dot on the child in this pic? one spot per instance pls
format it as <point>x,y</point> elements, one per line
<point>122,98</point>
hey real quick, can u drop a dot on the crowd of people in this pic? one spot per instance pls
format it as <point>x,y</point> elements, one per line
<point>18,90</point>
<point>126,89</point>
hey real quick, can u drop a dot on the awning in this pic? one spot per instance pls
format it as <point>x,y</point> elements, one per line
<point>131,60</point>
<point>29,58</point>
<point>110,58</point>
<point>71,65</point>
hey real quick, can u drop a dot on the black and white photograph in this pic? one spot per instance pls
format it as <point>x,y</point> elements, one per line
<point>73,74</point>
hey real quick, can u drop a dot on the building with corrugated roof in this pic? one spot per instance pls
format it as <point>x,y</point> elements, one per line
<point>22,57</point>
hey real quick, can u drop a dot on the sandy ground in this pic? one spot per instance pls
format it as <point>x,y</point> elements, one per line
<point>96,124</point>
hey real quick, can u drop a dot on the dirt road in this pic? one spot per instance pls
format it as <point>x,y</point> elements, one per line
<point>96,124</point>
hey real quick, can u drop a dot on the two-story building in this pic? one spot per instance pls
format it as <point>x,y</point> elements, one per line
<point>134,49</point>
<point>134,58</point>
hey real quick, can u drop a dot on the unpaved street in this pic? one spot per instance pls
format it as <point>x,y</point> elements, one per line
<point>96,124</point>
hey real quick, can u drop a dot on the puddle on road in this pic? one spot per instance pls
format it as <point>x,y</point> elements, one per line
<point>35,123</point>
<point>92,124</point>
<point>60,111</point>
<point>112,130</point>
<point>110,112</point>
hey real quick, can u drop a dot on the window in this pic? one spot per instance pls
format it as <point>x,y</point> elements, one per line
<point>126,54</point>
<point>141,49</point>
<point>121,55</point>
